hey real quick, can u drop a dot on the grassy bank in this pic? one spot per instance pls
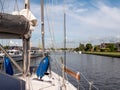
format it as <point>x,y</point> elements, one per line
<point>110,54</point>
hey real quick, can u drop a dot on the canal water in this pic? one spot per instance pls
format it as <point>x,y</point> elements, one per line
<point>103,71</point>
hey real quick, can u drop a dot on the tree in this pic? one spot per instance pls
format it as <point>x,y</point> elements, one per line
<point>96,48</point>
<point>6,47</point>
<point>111,47</point>
<point>52,48</point>
<point>88,47</point>
<point>76,49</point>
<point>81,47</point>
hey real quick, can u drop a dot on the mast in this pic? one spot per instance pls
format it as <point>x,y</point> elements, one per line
<point>64,62</point>
<point>42,24</point>
<point>27,4</point>
<point>26,47</point>
<point>64,38</point>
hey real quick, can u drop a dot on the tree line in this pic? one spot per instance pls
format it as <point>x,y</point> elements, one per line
<point>96,48</point>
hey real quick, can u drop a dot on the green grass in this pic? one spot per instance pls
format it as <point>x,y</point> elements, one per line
<point>111,54</point>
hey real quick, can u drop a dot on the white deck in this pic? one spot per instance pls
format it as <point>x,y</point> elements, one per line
<point>53,83</point>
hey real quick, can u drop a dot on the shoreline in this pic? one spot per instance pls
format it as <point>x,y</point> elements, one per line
<point>108,54</point>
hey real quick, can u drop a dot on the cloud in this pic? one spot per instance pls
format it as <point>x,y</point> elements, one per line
<point>85,20</point>
<point>80,10</point>
<point>105,17</point>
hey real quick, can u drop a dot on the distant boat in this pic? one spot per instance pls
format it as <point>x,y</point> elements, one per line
<point>19,53</point>
<point>80,52</point>
<point>14,53</point>
<point>1,54</point>
<point>36,53</point>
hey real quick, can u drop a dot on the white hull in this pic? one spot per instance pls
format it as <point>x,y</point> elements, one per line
<point>49,83</point>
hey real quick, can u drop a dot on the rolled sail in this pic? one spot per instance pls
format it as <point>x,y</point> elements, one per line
<point>13,26</point>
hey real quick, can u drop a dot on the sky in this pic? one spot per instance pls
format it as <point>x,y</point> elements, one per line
<point>87,21</point>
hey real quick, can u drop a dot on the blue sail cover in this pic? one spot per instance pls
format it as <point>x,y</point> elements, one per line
<point>43,67</point>
<point>8,66</point>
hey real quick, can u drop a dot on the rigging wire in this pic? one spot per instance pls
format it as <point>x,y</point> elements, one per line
<point>48,19</point>
<point>53,22</point>
<point>51,28</point>
<point>2,5</point>
<point>7,5</point>
<point>52,38</point>
<point>49,24</point>
<point>56,64</point>
<point>89,81</point>
<point>16,7</point>
<point>50,31</point>
<point>64,60</point>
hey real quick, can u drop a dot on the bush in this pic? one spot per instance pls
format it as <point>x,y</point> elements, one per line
<point>104,49</point>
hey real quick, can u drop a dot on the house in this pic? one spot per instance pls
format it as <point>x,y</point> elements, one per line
<point>107,45</point>
<point>118,46</point>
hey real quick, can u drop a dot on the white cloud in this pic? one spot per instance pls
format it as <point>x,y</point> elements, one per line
<point>80,10</point>
<point>82,23</point>
<point>106,17</point>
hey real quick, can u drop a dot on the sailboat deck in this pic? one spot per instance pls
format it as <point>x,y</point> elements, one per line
<point>47,83</point>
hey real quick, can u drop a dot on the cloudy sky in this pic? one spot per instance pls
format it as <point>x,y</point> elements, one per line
<point>87,21</point>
